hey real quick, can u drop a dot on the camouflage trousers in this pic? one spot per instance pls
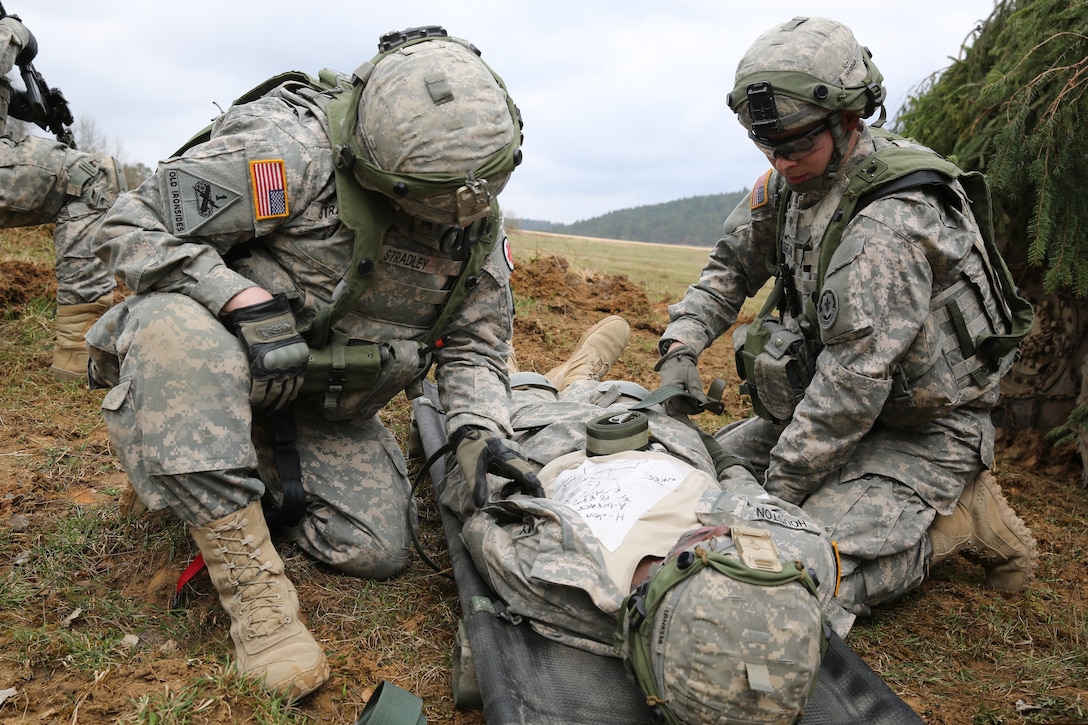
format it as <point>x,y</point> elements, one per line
<point>879,506</point>
<point>43,181</point>
<point>180,420</point>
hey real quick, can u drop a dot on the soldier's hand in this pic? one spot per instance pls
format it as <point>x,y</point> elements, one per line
<point>679,368</point>
<point>480,452</point>
<point>277,352</point>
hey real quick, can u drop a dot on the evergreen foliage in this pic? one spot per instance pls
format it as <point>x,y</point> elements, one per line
<point>694,221</point>
<point>1013,106</point>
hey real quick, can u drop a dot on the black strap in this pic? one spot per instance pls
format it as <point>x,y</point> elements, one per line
<point>290,511</point>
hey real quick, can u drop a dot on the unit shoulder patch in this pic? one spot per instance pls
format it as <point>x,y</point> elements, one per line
<point>193,200</point>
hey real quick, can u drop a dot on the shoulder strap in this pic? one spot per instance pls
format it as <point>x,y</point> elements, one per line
<point>326,80</point>
<point>483,235</point>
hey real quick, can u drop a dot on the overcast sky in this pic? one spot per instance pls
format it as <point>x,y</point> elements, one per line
<point>623,101</point>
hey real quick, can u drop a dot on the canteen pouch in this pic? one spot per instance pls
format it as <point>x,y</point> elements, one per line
<point>358,378</point>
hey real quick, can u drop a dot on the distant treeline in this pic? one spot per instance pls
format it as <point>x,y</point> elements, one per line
<point>696,221</point>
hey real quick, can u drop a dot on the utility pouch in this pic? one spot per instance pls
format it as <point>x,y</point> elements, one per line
<point>773,362</point>
<point>343,365</point>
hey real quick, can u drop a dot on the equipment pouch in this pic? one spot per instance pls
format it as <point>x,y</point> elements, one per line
<point>337,367</point>
<point>773,362</point>
<point>358,378</point>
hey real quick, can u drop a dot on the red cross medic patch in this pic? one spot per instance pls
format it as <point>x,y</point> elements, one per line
<point>508,253</point>
<point>269,182</point>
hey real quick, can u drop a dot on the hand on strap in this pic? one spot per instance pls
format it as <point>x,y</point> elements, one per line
<point>480,452</point>
<point>679,368</point>
<point>277,353</point>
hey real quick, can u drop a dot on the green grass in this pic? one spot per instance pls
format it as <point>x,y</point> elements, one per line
<point>664,270</point>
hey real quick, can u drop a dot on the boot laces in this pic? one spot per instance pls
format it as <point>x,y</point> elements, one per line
<point>261,597</point>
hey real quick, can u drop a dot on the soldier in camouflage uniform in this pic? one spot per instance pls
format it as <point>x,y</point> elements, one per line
<point>43,181</point>
<point>650,547</point>
<point>882,431</point>
<point>232,374</point>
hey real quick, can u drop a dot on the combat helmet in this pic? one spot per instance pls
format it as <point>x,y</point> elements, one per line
<point>432,127</point>
<point>803,71</point>
<point>710,639</point>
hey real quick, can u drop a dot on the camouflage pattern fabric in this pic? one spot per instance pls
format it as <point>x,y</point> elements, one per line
<point>256,205</point>
<point>545,562</point>
<point>894,258</point>
<point>42,181</point>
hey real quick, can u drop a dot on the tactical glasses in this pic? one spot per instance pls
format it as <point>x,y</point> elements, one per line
<point>791,148</point>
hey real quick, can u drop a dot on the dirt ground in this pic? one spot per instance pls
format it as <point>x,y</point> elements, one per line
<point>954,650</point>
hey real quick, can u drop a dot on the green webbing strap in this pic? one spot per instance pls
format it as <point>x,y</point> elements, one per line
<point>369,217</point>
<point>392,705</point>
<point>478,253</point>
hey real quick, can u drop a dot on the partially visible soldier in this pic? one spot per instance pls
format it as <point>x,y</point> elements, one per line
<point>44,181</point>
<point>652,547</point>
<point>876,361</point>
<point>303,261</point>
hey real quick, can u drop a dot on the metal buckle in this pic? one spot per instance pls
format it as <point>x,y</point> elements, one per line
<point>756,548</point>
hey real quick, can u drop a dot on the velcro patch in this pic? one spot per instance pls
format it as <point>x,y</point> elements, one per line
<point>269,181</point>
<point>761,190</point>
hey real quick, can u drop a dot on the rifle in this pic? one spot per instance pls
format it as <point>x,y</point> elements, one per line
<point>39,104</point>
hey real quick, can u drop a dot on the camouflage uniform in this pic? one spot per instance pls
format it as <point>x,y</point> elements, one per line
<point>180,415</point>
<point>876,485</point>
<point>546,563</point>
<point>43,181</point>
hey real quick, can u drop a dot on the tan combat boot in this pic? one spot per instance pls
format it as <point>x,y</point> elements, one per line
<point>597,350</point>
<point>270,640</point>
<point>70,351</point>
<point>986,530</point>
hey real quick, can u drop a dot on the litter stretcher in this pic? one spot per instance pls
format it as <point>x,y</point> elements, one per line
<point>521,678</point>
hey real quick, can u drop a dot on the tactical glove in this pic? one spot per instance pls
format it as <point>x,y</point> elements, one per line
<point>277,353</point>
<point>679,368</point>
<point>480,452</point>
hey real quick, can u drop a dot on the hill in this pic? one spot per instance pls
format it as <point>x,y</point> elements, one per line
<point>694,221</point>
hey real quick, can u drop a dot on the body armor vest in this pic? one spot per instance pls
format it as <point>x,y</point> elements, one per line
<point>968,340</point>
<point>405,278</point>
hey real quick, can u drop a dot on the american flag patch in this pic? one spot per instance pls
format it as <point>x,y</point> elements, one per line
<point>761,190</point>
<point>269,188</point>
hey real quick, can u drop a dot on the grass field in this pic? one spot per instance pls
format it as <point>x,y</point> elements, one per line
<point>87,637</point>
<point>664,270</point>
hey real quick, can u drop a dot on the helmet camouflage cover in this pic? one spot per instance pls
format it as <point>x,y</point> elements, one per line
<point>711,640</point>
<point>801,71</point>
<point>435,129</point>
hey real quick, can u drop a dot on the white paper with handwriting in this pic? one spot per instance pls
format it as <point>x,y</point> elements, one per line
<point>613,495</point>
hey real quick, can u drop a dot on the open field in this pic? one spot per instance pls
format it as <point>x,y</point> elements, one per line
<point>663,269</point>
<point>86,635</point>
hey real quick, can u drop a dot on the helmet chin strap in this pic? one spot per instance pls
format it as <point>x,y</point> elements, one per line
<point>842,142</point>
